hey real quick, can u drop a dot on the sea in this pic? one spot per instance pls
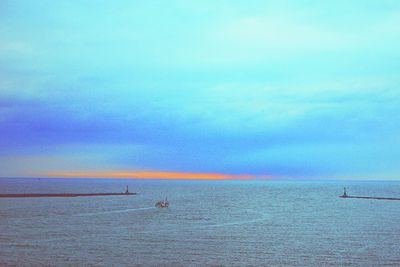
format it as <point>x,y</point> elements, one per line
<point>208,223</point>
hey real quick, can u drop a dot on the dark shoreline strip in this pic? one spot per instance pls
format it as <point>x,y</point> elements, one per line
<point>378,198</point>
<point>66,195</point>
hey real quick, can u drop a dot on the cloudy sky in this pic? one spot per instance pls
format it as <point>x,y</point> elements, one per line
<point>276,89</point>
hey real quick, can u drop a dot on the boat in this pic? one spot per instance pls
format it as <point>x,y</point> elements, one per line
<point>162,204</point>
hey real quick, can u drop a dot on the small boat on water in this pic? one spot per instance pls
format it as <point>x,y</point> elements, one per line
<point>162,204</point>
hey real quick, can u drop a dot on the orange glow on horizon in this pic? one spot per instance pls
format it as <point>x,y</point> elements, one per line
<point>149,175</point>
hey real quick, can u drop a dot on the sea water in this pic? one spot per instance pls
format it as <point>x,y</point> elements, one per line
<point>226,223</point>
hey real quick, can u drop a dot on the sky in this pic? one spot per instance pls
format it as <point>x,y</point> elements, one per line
<point>200,89</point>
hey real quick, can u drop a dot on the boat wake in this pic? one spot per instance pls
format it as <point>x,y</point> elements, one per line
<point>114,211</point>
<point>261,217</point>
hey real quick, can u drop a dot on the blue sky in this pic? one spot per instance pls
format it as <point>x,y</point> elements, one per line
<point>288,89</point>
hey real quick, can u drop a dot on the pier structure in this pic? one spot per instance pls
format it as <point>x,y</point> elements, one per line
<point>126,193</point>
<point>366,197</point>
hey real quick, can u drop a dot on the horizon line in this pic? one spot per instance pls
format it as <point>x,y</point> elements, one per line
<point>150,174</point>
<point>255,178</point>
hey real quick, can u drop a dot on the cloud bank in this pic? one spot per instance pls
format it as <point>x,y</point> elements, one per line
<point>291,89</point>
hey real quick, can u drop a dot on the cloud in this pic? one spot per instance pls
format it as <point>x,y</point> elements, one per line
<point>276,88</point>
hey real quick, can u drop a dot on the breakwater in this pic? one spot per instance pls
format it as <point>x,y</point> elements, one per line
<point>66,195</point>
<point>378,198</point>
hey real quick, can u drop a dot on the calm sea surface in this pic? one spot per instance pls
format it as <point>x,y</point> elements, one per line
<point>227,223</point>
